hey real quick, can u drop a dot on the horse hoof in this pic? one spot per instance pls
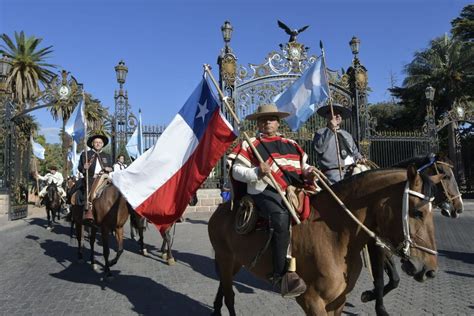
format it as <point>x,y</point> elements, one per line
<point>367,296</point>
<point>145,252</point>
<point>164,256</point>
<point>171,261</point>
<point>95,267</point>
<point>49,228</point>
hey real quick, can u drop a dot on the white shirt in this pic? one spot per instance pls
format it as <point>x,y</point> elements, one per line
<point>57,178</point>
<point>119,166</point>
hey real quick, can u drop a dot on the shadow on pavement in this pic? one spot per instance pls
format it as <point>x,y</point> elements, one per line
<point>146,296</point>
<point>466,257</point>
<point>243,281</point>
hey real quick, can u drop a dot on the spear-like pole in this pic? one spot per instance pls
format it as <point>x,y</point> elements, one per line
<point>207,69</point>
<point>85,147</point>
<point>332,112</point>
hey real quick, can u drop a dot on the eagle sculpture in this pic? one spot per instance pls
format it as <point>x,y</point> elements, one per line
<point>292,33</point>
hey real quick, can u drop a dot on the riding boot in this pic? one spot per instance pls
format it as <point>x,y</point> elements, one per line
<point>88,217</point>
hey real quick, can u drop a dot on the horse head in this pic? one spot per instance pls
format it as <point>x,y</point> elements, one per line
<point>418,248</point>
<point>448,199</point>
<point>53,195</point>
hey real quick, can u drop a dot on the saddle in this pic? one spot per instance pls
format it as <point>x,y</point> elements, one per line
<point>98,186</point>
<point>246,216</point>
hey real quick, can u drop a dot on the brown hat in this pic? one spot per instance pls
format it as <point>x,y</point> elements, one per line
<point>326,109</point>
<point>266,110</point>
<point>91,139</point>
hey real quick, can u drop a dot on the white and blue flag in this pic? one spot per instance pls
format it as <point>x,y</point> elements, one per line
<point>305,95</point>
<point>38,150</point>
<point>76,125</point>
<point>135,143</point>
<point>73,157</point>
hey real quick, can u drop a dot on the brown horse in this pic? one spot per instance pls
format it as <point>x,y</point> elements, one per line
<point>327,246</point>
<point>447,198</point>
<point>111,212</point>
<point>52,203</point>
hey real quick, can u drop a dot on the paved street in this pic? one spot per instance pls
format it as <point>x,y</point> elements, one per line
<point>39,275</point>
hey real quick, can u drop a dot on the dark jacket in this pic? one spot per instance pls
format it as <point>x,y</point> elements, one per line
<point>103,158</point>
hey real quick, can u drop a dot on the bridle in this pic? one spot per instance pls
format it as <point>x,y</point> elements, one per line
<point>433,162</point>
<point>404,248</point>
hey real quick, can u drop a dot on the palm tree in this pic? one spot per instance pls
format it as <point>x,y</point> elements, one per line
<point>97,116</point>
<point>463,26</point>
<point>29,69</point>
<point>448,66</point>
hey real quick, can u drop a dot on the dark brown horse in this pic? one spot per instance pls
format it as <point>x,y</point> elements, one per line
<point>52,203</point>
<point>447,198</point>
<point>327,246</point>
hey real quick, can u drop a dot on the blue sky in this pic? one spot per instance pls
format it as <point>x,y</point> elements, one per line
<point>165,43</point>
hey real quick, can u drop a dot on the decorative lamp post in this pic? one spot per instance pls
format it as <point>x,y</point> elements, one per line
<point>355,44</point>
<point>226,30</point>
<point>430,119</point>
<point>119,134</point>
<point>5,67</point>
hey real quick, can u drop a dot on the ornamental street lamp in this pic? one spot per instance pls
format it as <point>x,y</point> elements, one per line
<point>354,44</point>
<point>226,30</point>
<point>429,93</point>
<point>430,119</point>
<point>120,120</point>
<point>5,67</point>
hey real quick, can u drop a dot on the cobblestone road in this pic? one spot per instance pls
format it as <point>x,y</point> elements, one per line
<point>39,275</point>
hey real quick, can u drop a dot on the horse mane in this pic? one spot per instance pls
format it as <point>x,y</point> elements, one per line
<point>418,161</point>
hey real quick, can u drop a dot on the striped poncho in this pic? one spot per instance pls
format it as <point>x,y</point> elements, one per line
<point>285,157</point>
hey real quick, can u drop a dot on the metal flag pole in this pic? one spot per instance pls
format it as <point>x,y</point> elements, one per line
<point>332,112</point>
<point>207,69</point>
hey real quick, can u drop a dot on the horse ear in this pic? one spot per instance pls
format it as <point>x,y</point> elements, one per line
<point>412,174</point>
<point>437,178</point>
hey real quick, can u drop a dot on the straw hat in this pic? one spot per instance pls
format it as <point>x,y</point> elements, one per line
<point>326,109</point>
<point>266,110</point>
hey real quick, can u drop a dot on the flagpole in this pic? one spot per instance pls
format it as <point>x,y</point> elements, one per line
<point>37,181</point>
<point>85,149</point>
<point>332,113</point>
<point>207,69</point>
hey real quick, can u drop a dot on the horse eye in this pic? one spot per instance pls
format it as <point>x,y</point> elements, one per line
<point>417,214</point>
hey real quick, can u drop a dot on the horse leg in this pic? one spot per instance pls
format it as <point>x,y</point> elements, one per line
<point>226,269</point>
<point>79,232</point>
<point>106,251</point>
<point>143,250</point>
<point>169,241</point>
<point>394,278</point>
<point>48,215</point>
<point>312,303</point>
<point>377,256</point>
<point>164,254</point>
<point>92,237</point>
<point>119,238</point>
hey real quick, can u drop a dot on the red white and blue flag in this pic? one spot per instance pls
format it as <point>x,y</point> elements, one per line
<point>161,182</point>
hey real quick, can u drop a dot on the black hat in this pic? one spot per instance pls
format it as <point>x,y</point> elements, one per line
<point>91,139</point>
<point>326,109</point>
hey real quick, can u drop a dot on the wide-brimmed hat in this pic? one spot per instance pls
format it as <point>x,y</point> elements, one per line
<point>266,110</point>
<point>326,109</point>
<point>91,139</point>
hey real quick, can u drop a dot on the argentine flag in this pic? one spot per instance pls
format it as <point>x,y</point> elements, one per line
<point>76,125</point>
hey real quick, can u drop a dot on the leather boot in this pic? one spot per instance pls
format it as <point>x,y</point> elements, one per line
<point>88,217</point>
<point>292,285</point>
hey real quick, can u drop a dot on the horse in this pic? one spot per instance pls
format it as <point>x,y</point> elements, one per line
<point>138,225</point>
<point>75,215</point>
<point>52,203</point>
<point>111,212</point>
<point>327,246</point>
<point>166,253</point>
<point>447,198</point>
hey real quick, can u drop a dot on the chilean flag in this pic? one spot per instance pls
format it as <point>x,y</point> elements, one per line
<point>161,182</point>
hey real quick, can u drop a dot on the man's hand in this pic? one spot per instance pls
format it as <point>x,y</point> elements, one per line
<point>310,173</point>
<point>263,170</point>
<point>87,165</point>
<point>362,161</point>
<point>108,169</point>
<point>333,123</point>
<point>36,175</point>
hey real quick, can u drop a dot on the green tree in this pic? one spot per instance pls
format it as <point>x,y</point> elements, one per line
<point>448,66</point>
<point>390,116</point>
<point>463,26</point>
<point>29,68</point>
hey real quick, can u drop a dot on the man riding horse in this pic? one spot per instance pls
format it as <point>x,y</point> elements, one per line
<point>96,164</point>
<point>286,161</point>
<point>53,176</point>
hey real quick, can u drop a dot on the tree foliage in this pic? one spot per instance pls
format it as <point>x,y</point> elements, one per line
<point>463,26</point>
<point>29,68</point>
